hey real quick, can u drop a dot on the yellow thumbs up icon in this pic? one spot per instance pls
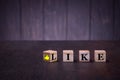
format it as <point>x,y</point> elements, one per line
<point>46,57</point>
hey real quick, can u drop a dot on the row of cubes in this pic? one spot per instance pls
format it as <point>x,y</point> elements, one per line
<point>68,55</point>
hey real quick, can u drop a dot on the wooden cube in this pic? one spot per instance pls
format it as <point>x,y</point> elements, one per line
<point>68,56</point>
<point>100,56</point>
<point>50,55</point>
<point>84,55</point>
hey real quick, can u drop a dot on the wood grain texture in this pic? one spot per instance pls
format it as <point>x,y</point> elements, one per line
<point>55,19</point>
<point>78,20</point>
<point>117,20</point>
<point>9,20</point>
<point>59,20</point>
<point>102,20</point>
<point>32,19</point>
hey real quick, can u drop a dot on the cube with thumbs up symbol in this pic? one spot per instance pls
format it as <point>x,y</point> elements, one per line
<point>50,55</point>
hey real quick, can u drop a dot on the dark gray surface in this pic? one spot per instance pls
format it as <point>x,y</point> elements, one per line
<point>22,60</point>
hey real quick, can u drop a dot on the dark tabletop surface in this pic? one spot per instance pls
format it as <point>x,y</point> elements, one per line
<point>22,60</point>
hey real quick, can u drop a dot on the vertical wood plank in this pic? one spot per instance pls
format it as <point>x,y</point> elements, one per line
<point>78,20</point>
<point>9,20</point>
<point>32,19</point>
<point>117,20</point>
<point>54,19</point>
<point>2,19</point>
<point>102,20</point>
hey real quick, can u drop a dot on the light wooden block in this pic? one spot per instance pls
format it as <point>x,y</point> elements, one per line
<point>84,55</point>
<point>100,56</point>
<point>50,55</point>
<point>68,56</point>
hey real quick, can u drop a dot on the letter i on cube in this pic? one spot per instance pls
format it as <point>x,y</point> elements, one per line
<point>50,56</point>
<point>84,55</point>
<point>100,56</point>
<point>68,56</point>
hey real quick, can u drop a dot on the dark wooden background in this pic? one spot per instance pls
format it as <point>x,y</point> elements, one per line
<point>59,19</point>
